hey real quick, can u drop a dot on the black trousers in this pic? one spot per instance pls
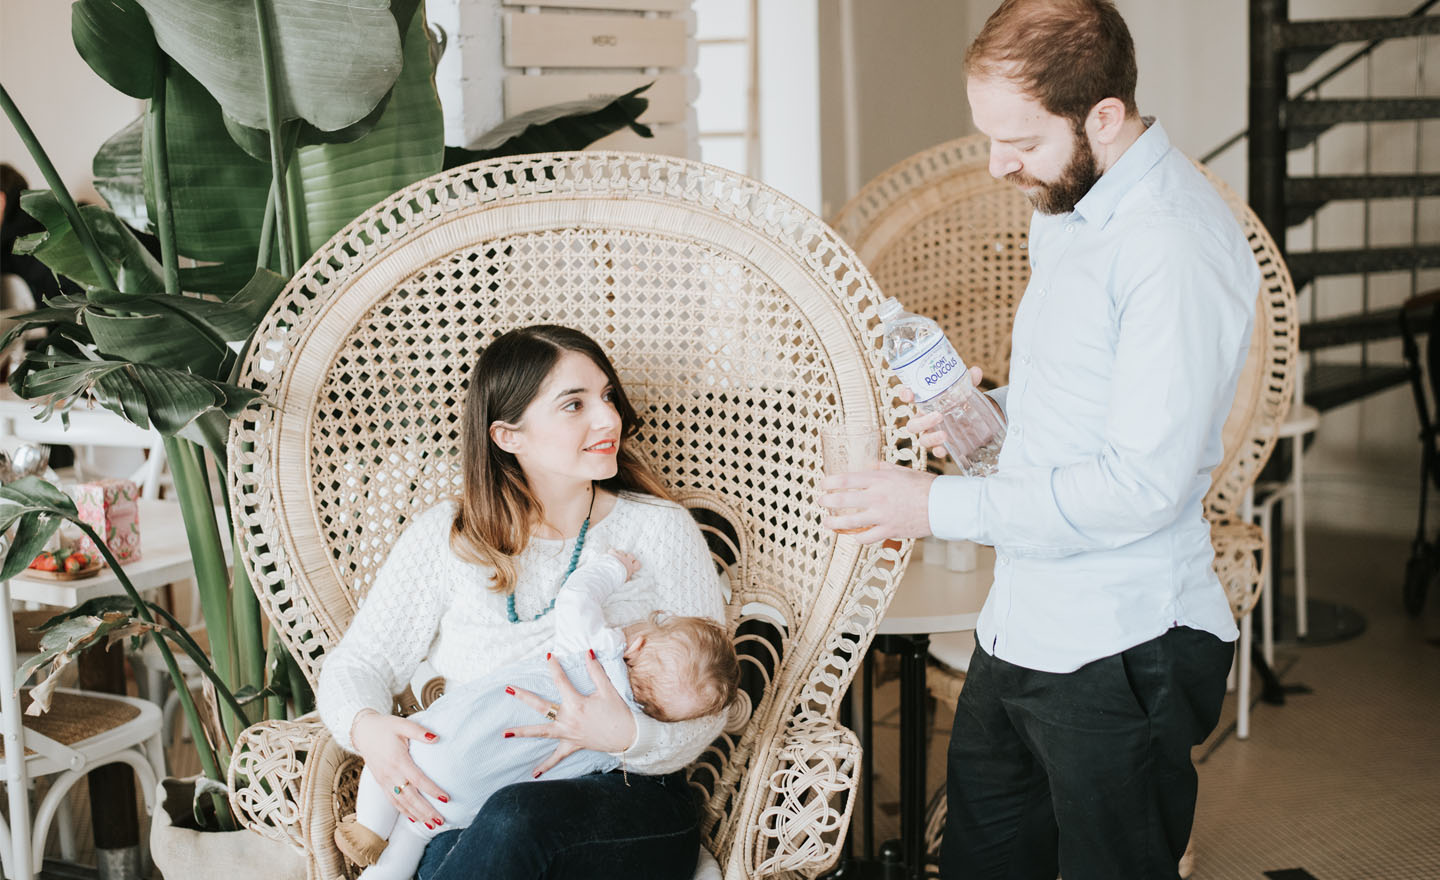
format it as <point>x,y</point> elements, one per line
<point>1086,773</point>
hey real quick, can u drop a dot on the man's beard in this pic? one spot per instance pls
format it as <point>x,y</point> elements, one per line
<point>1060,196</point>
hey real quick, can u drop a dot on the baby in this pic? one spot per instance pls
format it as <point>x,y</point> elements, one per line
<point>672,669</point>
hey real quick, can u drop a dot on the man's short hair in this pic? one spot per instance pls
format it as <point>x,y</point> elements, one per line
<point>1067,54</point>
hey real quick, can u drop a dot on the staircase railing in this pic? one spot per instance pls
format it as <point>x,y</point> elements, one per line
<point>1279,125</point>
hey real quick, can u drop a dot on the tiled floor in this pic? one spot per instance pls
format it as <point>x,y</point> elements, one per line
<point>1342,783</point>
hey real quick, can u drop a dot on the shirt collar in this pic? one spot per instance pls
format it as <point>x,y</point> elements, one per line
<point>1099,203</point>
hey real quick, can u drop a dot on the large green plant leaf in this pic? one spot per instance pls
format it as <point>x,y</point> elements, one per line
<point>572,125</point>
<point>59,247</point>
<point>141,393</point>
<point>36,509</point>
<point>119,169</point>
<point>256,141</point>
<point>218,192</point>
<point>334,60</point>
<point>342,181</point>
<point>115,39</point>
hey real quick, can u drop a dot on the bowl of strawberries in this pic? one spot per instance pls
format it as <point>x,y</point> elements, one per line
<point>65,564</point>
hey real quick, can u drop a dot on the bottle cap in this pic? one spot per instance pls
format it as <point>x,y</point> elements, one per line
<point>889,308</point>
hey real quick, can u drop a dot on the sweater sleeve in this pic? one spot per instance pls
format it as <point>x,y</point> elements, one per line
<point>392,631</point>
<point>685,584</point>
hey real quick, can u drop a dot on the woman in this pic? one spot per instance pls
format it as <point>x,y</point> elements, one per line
<point>469,586</point>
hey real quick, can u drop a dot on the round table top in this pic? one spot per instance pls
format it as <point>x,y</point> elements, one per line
<point>934,599</point>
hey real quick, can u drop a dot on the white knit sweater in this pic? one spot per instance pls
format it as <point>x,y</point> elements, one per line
<point>428,604</point>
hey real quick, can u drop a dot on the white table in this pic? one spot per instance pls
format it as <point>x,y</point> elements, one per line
<point>930,599</point>
<point>164,558</point>
<point>933,599</point>
<point>91,427</point>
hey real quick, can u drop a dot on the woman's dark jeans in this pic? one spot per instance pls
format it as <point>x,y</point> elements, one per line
<point>601,825</point>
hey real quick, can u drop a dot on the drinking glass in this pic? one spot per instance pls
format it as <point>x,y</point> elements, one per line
<point>846,447</point>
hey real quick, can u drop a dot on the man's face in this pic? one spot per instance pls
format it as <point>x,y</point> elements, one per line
<point>1031,147</point>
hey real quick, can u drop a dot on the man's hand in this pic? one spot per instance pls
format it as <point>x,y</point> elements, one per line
<point>890,501</point>
<point>927,427</point>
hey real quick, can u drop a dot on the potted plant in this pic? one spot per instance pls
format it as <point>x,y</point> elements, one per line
<point>252,151</point>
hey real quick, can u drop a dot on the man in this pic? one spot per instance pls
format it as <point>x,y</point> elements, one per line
<point>1103,647</point>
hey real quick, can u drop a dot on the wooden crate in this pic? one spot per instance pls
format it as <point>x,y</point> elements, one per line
<point>539,40</point>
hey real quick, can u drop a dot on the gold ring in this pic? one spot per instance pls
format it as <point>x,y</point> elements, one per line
<point>553,712</point>
<point>401,787</point>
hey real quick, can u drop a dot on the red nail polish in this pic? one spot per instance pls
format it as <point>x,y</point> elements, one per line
<point>592,653</point>
<point>439,822</point>
<point>428,825</point>
<point>407,817</point>
<point>509,690</point>
<point>430,736</point>
<point>536,775</point>
<point>508,734</point>
<point>443,799</point>
<point>547,655</point>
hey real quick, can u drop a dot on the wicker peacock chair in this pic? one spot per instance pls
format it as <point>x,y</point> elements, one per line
<point>739,323</point>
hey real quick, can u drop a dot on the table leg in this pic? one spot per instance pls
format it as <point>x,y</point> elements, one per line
<point>913,651</point>
<point>113,816</point>
<point>867,761</point>
<point>913,752</point>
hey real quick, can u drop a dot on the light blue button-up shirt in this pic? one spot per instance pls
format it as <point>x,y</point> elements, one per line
<point>1126,351</point>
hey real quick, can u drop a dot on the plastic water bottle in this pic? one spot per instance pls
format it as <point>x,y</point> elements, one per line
<point>918,352</point>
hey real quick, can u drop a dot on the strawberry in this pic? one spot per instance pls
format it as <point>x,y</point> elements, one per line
<point>76,561</point>
<point>46,561</point>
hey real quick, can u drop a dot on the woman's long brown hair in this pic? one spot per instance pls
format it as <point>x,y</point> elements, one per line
<point>497,513</point>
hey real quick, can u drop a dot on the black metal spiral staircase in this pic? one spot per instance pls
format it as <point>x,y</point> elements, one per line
<point>1281,123</point>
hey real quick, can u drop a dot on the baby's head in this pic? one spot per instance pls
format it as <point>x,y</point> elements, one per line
<point>681,667</point>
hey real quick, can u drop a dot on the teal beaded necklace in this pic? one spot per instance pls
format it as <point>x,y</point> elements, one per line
<point>574,560</point>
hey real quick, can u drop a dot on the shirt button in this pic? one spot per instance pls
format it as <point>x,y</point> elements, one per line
<point>1025,360</point>
<point>1069,227</point>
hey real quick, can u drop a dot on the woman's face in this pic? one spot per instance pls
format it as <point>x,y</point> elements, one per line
<point>571,428</point>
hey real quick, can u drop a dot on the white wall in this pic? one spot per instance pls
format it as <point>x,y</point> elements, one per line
<point>910,75</point>
<point>71,109</point>
<point>790,99</point>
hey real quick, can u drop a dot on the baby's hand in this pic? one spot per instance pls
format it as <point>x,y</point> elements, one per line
<point>631,564</point>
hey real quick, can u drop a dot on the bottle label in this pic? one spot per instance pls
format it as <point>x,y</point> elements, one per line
<point>933,370</point>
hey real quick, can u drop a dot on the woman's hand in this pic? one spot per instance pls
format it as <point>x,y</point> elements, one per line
<point>382,741</point>
<point>601,721</point>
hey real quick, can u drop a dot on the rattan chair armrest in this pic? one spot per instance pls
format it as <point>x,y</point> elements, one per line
<point>290,781</point>
<point>1236,546</point>
<point>812,772</point>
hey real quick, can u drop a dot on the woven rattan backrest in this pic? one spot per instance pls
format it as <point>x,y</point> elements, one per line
<point>1267,381</point>
<point>738,322</point>
<point>949,241</point>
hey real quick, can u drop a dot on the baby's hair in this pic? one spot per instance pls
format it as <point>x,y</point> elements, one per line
<point>690,649</point>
